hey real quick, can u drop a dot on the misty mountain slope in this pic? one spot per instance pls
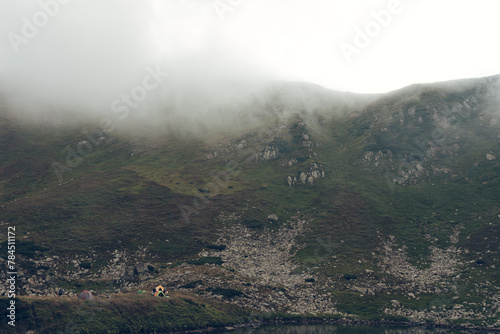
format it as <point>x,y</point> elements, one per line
<point>373,199</point>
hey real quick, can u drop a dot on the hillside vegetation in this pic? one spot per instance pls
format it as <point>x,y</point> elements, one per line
<point>367,207</point>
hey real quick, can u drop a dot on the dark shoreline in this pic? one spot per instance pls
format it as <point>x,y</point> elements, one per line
<point>312,321</point>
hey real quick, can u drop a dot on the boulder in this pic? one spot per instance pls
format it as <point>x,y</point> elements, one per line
<point>129,273</point>
<point>303,177</point>
<point>273,217</point>
<point>141,268</point>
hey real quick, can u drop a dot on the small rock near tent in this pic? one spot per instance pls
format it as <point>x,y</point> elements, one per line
<point>85,295</point>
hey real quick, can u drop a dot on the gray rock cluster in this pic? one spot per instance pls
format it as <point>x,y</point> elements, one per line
<point>268,153</point>
<point>307,177</point>
<point>139,271</point>
<point>259,265</point>
<point>444,264</point>
<point>422,158</point>
<point>39,277</point>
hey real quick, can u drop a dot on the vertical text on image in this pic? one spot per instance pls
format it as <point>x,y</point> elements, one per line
<point>11,274</point>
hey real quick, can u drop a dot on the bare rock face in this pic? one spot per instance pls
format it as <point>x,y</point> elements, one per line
<point>490,156</point>
<point>273,217</point>
<point>290,162</point>
<point>141,268</point>
<point>129,273</point>
<point>428,154</point>
<point>139,271</point>
<point>303,177</point>
<point>306,141</point>
<point>268,153</point>
<point>308,177</point>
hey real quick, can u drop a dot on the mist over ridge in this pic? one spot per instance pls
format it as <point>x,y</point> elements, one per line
<point>86,55</point>
<point>263,161</point>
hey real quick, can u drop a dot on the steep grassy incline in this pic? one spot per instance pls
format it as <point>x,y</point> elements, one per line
<point>399,195</point>
<point>124,313</point>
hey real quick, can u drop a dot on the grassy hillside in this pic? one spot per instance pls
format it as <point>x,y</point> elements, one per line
<point>124,313</point>
<point>388,185</point>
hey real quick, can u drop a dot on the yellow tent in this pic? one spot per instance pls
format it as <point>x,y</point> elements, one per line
<point>160,291</point>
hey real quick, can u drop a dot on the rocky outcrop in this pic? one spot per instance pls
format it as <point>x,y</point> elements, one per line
<point>39,276</point>
<point>289,162</point>
<point>260,265</point>
<point>306,141</point>
<point>268,153</point>
<point>444,264</point>
<point>265,259</point>
<point>490,156</point>
<point>412,144</point>
<point>139,271</point>
<point>307,177</point>
<point>273,217</point>
<point>406,169</point>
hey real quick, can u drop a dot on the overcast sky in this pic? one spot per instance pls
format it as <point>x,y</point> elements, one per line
<point>93,50</point>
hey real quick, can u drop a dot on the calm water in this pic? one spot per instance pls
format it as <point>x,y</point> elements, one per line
<point>337,329</point>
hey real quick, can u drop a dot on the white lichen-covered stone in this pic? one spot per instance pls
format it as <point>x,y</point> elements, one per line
<point>268,153</point>
<point>273,216</point>
<point>303,177</point>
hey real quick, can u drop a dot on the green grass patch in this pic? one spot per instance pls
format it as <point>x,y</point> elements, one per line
<point>207,260</point>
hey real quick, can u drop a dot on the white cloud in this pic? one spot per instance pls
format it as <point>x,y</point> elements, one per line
<point>90,52</point>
